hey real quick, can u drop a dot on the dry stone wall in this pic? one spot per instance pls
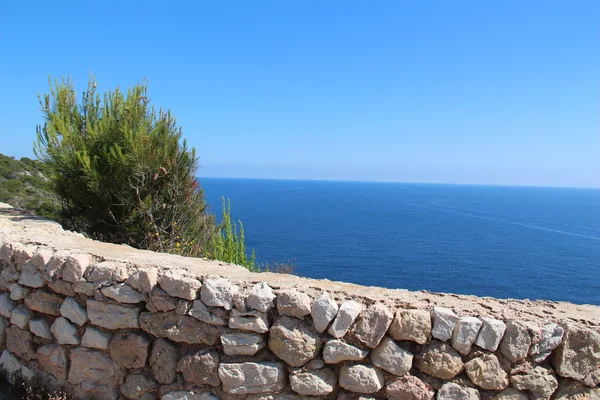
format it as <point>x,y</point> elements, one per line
<point>110,322</point>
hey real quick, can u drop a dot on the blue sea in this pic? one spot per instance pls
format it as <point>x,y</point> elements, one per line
<point>506,242</point>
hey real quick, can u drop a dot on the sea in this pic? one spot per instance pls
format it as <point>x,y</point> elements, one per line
<point>499,241</point>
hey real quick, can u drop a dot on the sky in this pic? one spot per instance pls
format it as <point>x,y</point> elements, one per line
<point>485,92</point>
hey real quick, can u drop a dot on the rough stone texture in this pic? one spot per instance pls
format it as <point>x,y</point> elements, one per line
<point>136,385</point>
<point>177,285</point>
<point>96,339</point>
<point>414,325</point>
<point>485,371</point>
<point>184,395</point>
<point>123,293</point>
<point>84,288</point>
<point>44,302</point>
<point>62,287</point>
<point>361,378</point>
<point>578,354</point>
<point>41,257</point>
<point>452,391</point>
<point>4,323</point>
<point>54,360</point>
<point>21,316</point>
<point>91,366</point>
<point>64,331</point>
<point>201,368</point>
<point>323,311</point>
<point>161,300</point>
<point>7,305</point>
<point>73,311</point>
<point>202,313</point>
<point>218,292</point>
<point>129,350</point>
<point>539,380</point>
<point>179,328</point>
<point>75,267</point>
<point>293,303</point>
<point>574,390</point>
<point>254,321</point>
<point>252,378</point>
<point>409,388</point>
<point>113,316</point>
<point>242,344</point>
<point>55,265</point>
<point>18,292</point>
<point>41,328</point>
<point>31,276</point>
<point>313,383</point>
<point>440,360</point>
<point>346,315</point>
<point>143,280</point>
<point>510,394</point>
<point>372,324</point>
<point>20,343</point>
<point>516,342</point>
<point>294,341</point>
<point>550,338</point>
<point>391,357</point>
<point>163,361</point>
<point>592,379</point>
<point>464,334</point>
<point>261,297</point>
<point>107,271</point>
<point>444,320</point>
<point>490,334</point>
<point>336,351</point>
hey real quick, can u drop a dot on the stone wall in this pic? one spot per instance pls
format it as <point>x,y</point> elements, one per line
<point>107,322</point>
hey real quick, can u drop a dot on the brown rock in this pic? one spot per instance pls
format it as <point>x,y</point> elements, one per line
<point>136,385</point>
<point>91,366</point>
<point>440,360</point>
<point>592,379</point>
<point>62,287</point>
<point>163,361</point>
<point>53,359</point>
<point>485,371</point>
<point>179,328</point>
<point>129,350</point>
<point>412,325</point>
<point>294,341</point>
<point>44,302</point>
<point>578,354</point>
<point>574,390</point>
<point>20,343</point>
<point>201,368</point>
<point>372,324</point>
<point>409,388</point>
<point>162,301</point>
<point>539,380</point>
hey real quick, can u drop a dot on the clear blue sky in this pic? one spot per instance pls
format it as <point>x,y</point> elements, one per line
<point>493,92</point>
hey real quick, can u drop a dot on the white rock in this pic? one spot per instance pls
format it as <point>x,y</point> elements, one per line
<point>261,297</point>
<point>6,252</point>
<point>391,357</point>
<point>336,351</point>
<point>444,320</point>
<point>202,313</point>
<point>41,328</point>
<point>465,333</point>
<point>313,383</point>
<point>361,378</point>
<point>54,266</point>
<point>75,267</point>
<point>31,276</point>
<point>96,339</point>
<point>346,315</point>
<point>21,316</point>
<point>254,321</point>
<point>64,331</point>
<point>551,337</point>
<point>7,305</point>
<point>452,391</point>
<point>324,309</point>
<point>252,378</point>
<point>293,303</point>
<point>73,311</point>
<point>18,292</point>
<point>242,344</point>
<point>490,334</point>
<point>107,271</point>
<point>41,257</point>
<point>218,292</point>
<point>177,285</point>
<point>22,254</point>
<point>123,293</point>
<point>144,280</point>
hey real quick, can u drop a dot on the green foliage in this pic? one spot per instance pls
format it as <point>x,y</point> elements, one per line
<point>121,170</point>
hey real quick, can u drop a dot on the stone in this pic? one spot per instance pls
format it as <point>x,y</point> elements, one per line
<point>592,379</point>
<point>323,311</point>
<point>218,292</point>
<point>113,316</point>
<point>361,378</point>
<point>62,287</point>
<point>31,276</point>
<point>516,342</point>
<point>129,350</point>
<point>201,368</point>
<point>510,394</point>
<point>40,328</point>
<point>464,334</point>
<point>575,390</point>
<point>293,303</point>
<point>336,351</point>
<point>73,311</point>
<point>538,380</point>
<point>8,276</point>
<point>313,383</point>
<point>163,361</point>
<point>7,305</point>
<point>177,285</point>
<point>123,293</point>
<point>444,320</point>
<point>143,280</point>
<point>242,344</point>
<point>183,307</point>
<point>41,257</point>
<point>107,271</point>
<point>96,339</point>
<point>95,391</point>
<point>409,388</point>
<point>162,301</point>
<point>452,391</point>
<point>294,341</point>
<point>20,343</point>
<point>252,377</point>
<point>55,265</point>
<point>440,360</point>
<point>54,360</point>
<point>22,254</point>
<point>84,288</point>
<point>485,371</point>
<point>372,324</point>
<point>179,328</point>
<point>314,365</point>
<point>6,253</point>
<point>13,367</point>
<point>90,365</point>
<point>64,331</point>
<point>44,302</point>
<point>4,323</point>
<point>202,313</point>
<point>184,395</point>
<point>18,292</point>
<point>261,298</point>
<point>414,325</point>
<point>21,316</point>
<point>578,354</point>
<point>490,334</point>
<point>136,385</point>
<point>75,267</point>
<point>254,321</point>
<point>550,338</point>
<point>346,315</point>
<point>392,358</point>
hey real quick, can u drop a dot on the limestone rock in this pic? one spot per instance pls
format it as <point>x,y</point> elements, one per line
<point>44,302</point>
<point>293,303</point>
<point>75,267</point>
<point>361,378</point>
<point>242,344</point>
<point>129,350</point>
<point>452,391</point>
<point>41,328</point>
<point>261,297</point>
<point>144,279</point>
<point>41,257</point>
<point>184,395</point>
<point>107,271</point>
<point>202,313</point>
<point>123,293</point>
<point>592,379</point>
<point>575,390</point>
<point>372,324</point>
<point>440,360</point>
<point>113,316</point>
<point>252,378</point>
<point>391,357</point>
<point>62,287</point>
<point>54,266</point>
<point>53,359</point>
<point>539,380</point>
<point>550,338</point>
<point>314,383</point>
<point>510,394</point>
<point>96,339</point>
<point>578,354</point>
<point>179,328</point>
<point>7,305</point>
<point>218,292</point>
<point>20,343</point>
<point>485,371</point>
<point>490,334</point>
<point>346,315</point>
<point>18,292</point>
<point>177,285</point>
<point>409,388</point>
<point>31,276</point>
<point>254,321</point>
<point>414,325</point>
<point>444,320</point>
<point>21,316</point>
<point>336,351</point>
<point>90,365</point>
<point>323,311</point>
<point>162,301</point>
<point>516,342</point>
<point>85,288</point>
<point>464,334</point>
<point>64,331</point>
<point>73,311</point>
<point>6,252</point>
<point>136,385</point>
<point>201,368</point>
<point>163,361</point>
<point>22,254</point>
<point>315,364</point>
<point>294,341</point>
<point>183,307</point>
